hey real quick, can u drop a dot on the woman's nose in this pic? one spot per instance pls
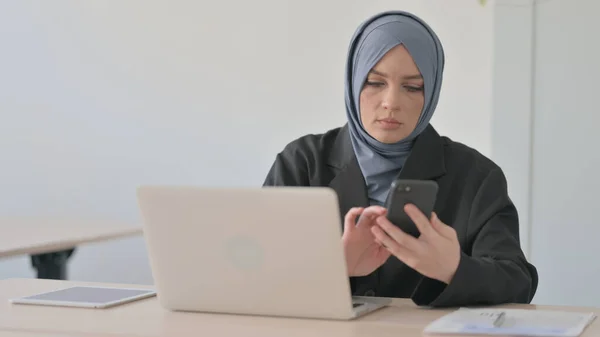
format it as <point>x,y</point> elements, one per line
<point>391,100</point>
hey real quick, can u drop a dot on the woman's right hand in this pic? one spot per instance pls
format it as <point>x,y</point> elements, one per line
<point>363,253</point>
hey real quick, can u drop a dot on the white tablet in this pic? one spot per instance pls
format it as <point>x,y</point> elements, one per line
<point>86,297</point>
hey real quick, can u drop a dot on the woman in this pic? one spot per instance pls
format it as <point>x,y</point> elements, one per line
<point>468,252</point>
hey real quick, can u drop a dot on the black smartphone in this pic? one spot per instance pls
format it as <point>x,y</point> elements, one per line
<point>421,193</point>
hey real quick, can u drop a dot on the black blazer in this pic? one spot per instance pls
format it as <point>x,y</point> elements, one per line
<point>472,198</point>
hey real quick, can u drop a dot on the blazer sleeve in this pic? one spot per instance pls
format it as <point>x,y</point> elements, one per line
<point>289,169</point>
<point>496,271</point>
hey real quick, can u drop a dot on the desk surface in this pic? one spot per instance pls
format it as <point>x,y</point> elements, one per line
<point>147,318</point>
<point>28,235</point>
<point>14,333</point>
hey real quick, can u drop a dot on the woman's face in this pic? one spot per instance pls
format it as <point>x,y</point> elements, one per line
<point>392,97</point>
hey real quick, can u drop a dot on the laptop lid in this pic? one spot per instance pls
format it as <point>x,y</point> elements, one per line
<point>265,251</point>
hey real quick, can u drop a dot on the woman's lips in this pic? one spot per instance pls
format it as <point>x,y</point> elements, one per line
<point>389,123</point>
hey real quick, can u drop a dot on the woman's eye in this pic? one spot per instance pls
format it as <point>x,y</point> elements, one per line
<point>414,88</point>
<point>374,84</point>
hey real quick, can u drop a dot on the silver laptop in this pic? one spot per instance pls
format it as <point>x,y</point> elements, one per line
<point>273,251</point>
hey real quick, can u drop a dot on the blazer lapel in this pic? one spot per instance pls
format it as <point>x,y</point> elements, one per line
<point>426,159</point>
<point>350,187</point>
<point>426,162</point>
<point>348,181</point>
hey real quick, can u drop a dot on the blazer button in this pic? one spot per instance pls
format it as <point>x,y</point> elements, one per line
<point>370,293</point>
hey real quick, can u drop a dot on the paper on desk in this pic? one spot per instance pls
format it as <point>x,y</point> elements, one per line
<point>517,322</point>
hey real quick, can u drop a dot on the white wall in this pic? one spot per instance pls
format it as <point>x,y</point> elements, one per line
<point>512,102</point>
<point>97,97</point>
<point>566,158</point>
<point>544,118</point>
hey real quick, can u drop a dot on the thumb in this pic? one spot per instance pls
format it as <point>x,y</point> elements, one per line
<point>350,219</point>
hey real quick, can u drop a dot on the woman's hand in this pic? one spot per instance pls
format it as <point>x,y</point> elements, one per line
<point>435,254</point>
<point>363,254</point>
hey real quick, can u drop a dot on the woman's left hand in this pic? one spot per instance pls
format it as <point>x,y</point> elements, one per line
<point>435,254</point>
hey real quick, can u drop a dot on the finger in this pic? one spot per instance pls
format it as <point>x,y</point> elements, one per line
<point>350,218</point>
<point>369,214</point>
<point>444,230</point>
<point>435,222</point>
<point>382,255</point>
<point>402,253</point>
<point>420,220</point>
<point>399,236</point>
<point>382,237</point>
<point>375,210</point>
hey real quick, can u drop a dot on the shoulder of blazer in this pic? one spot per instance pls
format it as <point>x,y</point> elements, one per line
<point>330,148</point>
<point>471,162</point>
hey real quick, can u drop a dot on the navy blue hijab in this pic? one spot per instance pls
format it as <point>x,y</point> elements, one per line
<point>380,163</point>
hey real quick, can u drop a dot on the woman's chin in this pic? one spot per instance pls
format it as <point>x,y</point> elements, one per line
<point>389,137</point>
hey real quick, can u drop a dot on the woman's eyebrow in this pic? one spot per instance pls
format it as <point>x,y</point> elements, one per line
<point>407,77</point>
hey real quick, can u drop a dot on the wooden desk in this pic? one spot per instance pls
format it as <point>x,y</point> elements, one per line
<point>147,318</point>
<point>49,239</point>
<point>13,333</point>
